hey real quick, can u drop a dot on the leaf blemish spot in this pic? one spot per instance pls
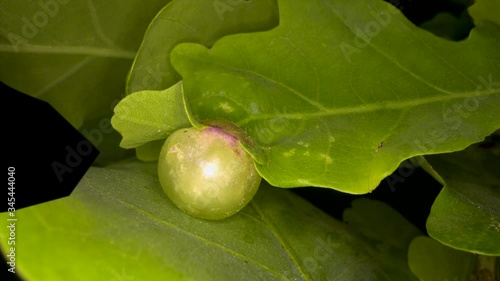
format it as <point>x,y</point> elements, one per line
<point>289,153</point>
<point>379,146</point>
<point>495,224</point>
<point>328,159</point>
<point>226,107</point>
<point>331,139</point>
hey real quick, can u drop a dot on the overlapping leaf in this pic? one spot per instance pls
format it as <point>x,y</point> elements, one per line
<point>180,21</point>
<point>484,11</point>
<point>198,21</point>
<point>73,54</point>
<point>466,214</point>
<point>342,91</point>
<point>433,261</point>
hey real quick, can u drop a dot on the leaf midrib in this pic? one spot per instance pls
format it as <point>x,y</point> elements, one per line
<point>200,238</point>
<point>372,107</point>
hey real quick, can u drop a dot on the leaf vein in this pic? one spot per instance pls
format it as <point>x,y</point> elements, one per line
<point>97,25</point>
<point>188,233</point>
<point>69,50</point>
<point>371,107</point>
<point>63,77</point>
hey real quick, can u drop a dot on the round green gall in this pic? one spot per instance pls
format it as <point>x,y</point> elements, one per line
<point>207,173</point>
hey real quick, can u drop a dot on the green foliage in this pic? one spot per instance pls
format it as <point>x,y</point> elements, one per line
<point>149,151</point>
<point>342,126</point>
<point>152,70</point>
<point>466,214</point>
<point>432,261</point>
<point>333,94</point>
<point>180,21</point>
<point>118,222</point>
<point>381,224</point>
